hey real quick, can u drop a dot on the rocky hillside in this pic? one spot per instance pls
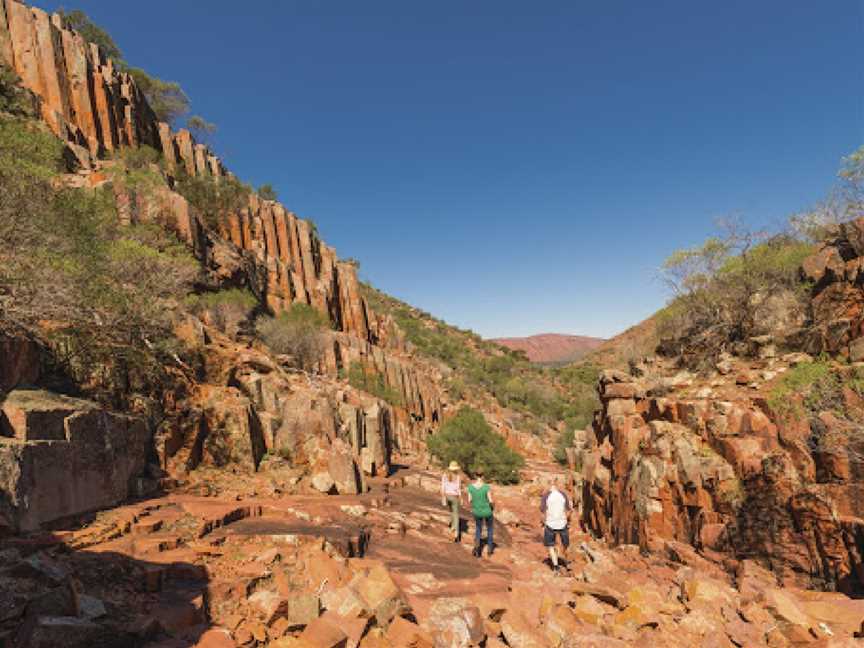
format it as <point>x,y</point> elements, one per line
<point>757,457</point>
<point>215,392</point>
<point>213,435</point>
<point>551,348</point>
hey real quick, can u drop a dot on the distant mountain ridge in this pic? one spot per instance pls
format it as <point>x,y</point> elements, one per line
<point>552,348</point>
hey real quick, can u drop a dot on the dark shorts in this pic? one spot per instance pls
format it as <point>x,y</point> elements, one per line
<point>549,536</point>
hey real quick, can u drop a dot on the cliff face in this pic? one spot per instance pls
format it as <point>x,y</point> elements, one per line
<point>719,463</point>
<point>98,109</point>
<point>245,409</point>
<point>86,100</point>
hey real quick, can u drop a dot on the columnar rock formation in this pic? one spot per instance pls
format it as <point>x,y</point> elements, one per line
<point>86,99</point>
<point>247,408</point>
<point>728,474</point>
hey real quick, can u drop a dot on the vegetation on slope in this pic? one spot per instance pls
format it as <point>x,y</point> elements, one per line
<point>818,386</point>
<point>542,395</point>
<point>102,292</point>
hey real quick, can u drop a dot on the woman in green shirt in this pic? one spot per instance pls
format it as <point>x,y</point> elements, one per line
<point>481,507</point>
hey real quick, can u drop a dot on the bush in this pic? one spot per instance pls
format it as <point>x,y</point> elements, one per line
<point>226,307</point>
<point>467,439</point>
<point>13,98</point>
<point>731,289</point>
<point>565,440</point>
<point>213,197</point>
<point>298,332</point>
<point>108,289</point>
<point>813,387</point>
<point>374,383</point>
<point>139,168</point>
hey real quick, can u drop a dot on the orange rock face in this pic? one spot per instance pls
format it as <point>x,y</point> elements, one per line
<point>727,476</point>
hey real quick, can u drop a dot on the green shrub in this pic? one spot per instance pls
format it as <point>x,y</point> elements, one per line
<point>565,440</point>
<point>374,383</point>
<point>108,289</point>
<point>548,396</point>
<point>13,98</point>
<point>298,332</point>
<point>139,168</point>
<point>224,306</point>
<point>730,289</point>
<point>813,387</point>
<point>467,439</point>
<point>214,197</point>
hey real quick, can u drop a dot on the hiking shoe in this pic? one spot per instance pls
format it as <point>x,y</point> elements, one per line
<point>477,552</point>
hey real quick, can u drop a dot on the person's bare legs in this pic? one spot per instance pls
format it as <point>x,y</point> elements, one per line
<point>553,556</point>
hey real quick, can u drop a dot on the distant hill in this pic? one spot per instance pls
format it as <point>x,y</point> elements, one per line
<point>638,340</point>
<point>552,348</point>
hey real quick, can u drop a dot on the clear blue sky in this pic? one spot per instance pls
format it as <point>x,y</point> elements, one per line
<point>517,167</point>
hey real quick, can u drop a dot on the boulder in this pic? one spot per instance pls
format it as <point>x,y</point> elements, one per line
<point>455,623</point>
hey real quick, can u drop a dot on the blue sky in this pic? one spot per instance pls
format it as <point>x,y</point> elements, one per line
<point>517,167</point>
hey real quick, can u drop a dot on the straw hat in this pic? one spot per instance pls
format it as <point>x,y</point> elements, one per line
<point>453,467</point>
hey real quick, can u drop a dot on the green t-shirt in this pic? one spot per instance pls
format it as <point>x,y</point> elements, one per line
<point>480,505</point>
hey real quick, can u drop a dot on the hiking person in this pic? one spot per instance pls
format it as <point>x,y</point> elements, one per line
<point>451,496</point>
<point>481,507</point>
<point>556,510</point>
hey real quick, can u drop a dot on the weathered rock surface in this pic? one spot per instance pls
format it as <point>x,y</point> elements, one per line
<point>837,274</point>
<point>61,457</point>
<point>727,474</point>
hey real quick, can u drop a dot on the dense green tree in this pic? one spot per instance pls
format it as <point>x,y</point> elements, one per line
<point>469,440</point>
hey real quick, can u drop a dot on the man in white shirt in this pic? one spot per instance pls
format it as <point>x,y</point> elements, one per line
<point>556,509</point>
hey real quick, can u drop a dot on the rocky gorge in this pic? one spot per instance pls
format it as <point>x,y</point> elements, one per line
<point>256,503</point>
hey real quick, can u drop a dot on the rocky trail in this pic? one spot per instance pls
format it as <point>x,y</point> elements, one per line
<point>379,569</point>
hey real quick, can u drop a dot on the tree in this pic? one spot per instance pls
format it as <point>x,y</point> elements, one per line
<point>166,98</point>
<point>467,439</point>
<point>107,289</point>
<point>731,288</point>
<point>200,128</point>
<point>267,192</point>
<point>13,98</point>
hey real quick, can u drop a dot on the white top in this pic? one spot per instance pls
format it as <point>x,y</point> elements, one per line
<point>556,507</point>
<point>451,488</point>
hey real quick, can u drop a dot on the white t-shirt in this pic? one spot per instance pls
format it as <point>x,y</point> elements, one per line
<point>451,488</point>
<point>555,505</point>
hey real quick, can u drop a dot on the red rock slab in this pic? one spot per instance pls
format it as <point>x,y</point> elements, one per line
<point>216,638</point>
<point>321,633</point>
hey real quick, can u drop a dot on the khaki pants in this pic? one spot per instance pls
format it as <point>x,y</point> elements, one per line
<point>453,505</point>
